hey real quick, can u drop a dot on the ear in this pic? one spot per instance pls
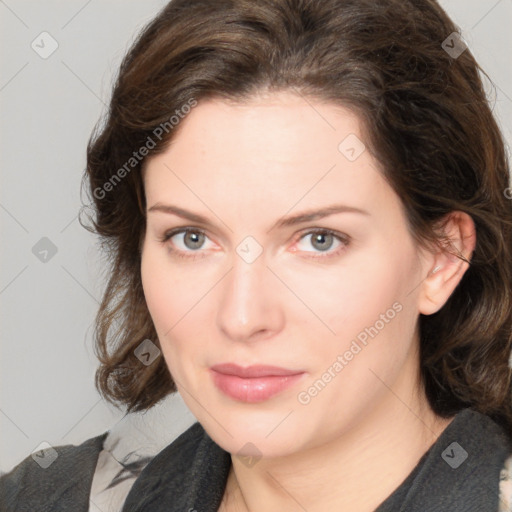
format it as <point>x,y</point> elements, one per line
<point>445,266</point>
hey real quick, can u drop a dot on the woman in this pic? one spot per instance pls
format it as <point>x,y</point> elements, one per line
<point>306,206</point>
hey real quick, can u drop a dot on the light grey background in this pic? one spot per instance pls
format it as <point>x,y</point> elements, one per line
<point>48,110</point>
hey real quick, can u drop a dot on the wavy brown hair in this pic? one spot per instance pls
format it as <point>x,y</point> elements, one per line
<point>425,117</point>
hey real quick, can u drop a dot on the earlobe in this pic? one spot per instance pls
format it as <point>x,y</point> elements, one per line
<point>448,266</point>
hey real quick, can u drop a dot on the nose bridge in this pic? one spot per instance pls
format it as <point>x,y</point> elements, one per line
<point>247,305</point>
<point>244,290</point>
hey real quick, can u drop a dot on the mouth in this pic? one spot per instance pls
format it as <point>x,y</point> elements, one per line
<point>254,383</point>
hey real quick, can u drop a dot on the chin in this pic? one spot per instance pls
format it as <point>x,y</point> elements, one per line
<point>257,433</point>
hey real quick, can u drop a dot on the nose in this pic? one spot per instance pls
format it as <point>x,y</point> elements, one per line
<point>249,305</point>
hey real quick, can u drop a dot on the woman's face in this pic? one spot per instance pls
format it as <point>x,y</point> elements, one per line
<point>259,281</point>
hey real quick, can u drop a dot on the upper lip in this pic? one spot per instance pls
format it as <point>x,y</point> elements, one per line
<point>253,371</point>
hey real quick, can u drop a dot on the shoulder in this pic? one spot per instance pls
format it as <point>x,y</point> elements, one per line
<point>463,469</point>
<point>175,458</point>
<point>57,478</point>
<point>495,444</point>
<point>191,470</point>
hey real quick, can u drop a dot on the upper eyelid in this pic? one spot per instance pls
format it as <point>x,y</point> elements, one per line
<point>333,232</point>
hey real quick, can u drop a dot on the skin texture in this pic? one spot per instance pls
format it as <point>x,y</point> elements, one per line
<point>299,305</point>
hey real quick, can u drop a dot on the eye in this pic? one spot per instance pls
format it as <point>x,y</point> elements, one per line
<point>186,240</point>
<point>323,240</point>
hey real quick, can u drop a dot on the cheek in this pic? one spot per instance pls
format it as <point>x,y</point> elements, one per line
<point>164,299</point>
<point>154,286</point>
<point>176,300</point>
<point>162,291</point>
<point>367,311</point>
<point>374,323</point>
<point>353,294</point>
<point>168,291</point>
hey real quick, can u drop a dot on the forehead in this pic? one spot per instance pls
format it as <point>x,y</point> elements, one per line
<point>279,127</point>
<point>281,148</point>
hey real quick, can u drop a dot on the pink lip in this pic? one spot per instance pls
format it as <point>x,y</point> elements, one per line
<point>254,383</point>
<point>253,371</point>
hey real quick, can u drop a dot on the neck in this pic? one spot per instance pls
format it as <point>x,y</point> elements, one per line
<point>358,470</point>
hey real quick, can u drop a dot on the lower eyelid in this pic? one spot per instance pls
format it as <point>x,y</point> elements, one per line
<point>330,253</point>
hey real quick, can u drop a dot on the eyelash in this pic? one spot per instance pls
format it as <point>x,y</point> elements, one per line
<point>345,240</point>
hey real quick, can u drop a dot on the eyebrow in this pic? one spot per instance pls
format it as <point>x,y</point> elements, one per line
<point>300,218</point>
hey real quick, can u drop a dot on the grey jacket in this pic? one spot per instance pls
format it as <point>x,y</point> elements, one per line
<point>462,472</point>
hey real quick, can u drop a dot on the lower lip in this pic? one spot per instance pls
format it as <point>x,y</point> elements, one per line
<point>255,389</point>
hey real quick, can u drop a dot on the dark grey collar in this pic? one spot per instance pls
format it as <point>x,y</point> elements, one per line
<point>460,472</point>
<point>191,473</point>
